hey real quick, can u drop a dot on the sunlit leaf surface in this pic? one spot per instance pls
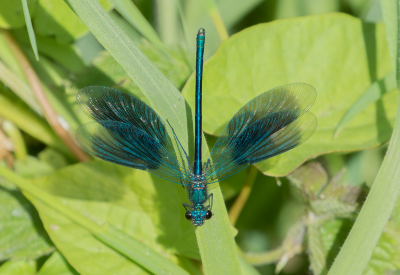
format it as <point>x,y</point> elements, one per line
<point>327,51</point>
<point>143,206</point>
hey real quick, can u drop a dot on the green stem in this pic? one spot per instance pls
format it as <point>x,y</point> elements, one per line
<point>241,200</point>
<point>384,193</point>
<point>264,258</point>
<point>167,23</point>
<point>16,136</point>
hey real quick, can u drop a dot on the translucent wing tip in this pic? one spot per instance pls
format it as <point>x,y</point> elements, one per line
<point>302,93</point>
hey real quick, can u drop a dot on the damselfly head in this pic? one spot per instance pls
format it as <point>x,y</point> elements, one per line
<point>198,217</point>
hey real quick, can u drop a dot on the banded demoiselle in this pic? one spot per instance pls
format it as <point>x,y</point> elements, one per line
<point>129,132</point>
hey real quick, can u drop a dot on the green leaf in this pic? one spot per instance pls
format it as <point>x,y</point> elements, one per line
<point>126,248</point>
<point>295,8</point>
<point>195,15</point>
<point>316,251</point>
<point>32,167</point>
<point>23,235</point>
<point>105,71</point>
<point>386,255</point>
<point>132,14</point>
<point>371,95</point>
<point>54,17</point>
<point>310,179</point>
<point>52,157</point>
<point>29,27</point>
<point>233,11</point>
<point>306,50</point>
<point>57,264</point>
<point>132,33</point>
<point>333,233</point>
<point>18,267</point>
<point>12,15</point>
<point>127,199</point>
<point>65,55</point>
<point>215,238</point>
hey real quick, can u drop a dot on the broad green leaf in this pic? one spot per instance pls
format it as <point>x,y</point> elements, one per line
<point>54,17</point>
<point>32,167</point>
<point>57,264</point>
<point>144,207</point>
<point>22,233</point>
<point>18,267</point>
<point>302,50</point>
<point>28,23</point>
<point>295,8</point>
<point>12,15</point>
<point>119,241</point>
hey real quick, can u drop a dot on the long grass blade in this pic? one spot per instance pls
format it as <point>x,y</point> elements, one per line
<point>132,14</point>
<point>372,94</point>
<point>375,213</point>
<point>29,27</point>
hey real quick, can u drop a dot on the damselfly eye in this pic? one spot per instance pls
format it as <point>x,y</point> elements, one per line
<point>188,215</point>
<point>208,214</point>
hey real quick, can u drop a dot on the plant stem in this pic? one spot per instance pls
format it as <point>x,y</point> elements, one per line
<point>241,200</point>
<point>375,213</point>
<point>16,136</point>
<point>264,258</point>
<point>49,113</point>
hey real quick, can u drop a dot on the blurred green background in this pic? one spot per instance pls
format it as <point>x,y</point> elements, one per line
<point>295,219</point>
